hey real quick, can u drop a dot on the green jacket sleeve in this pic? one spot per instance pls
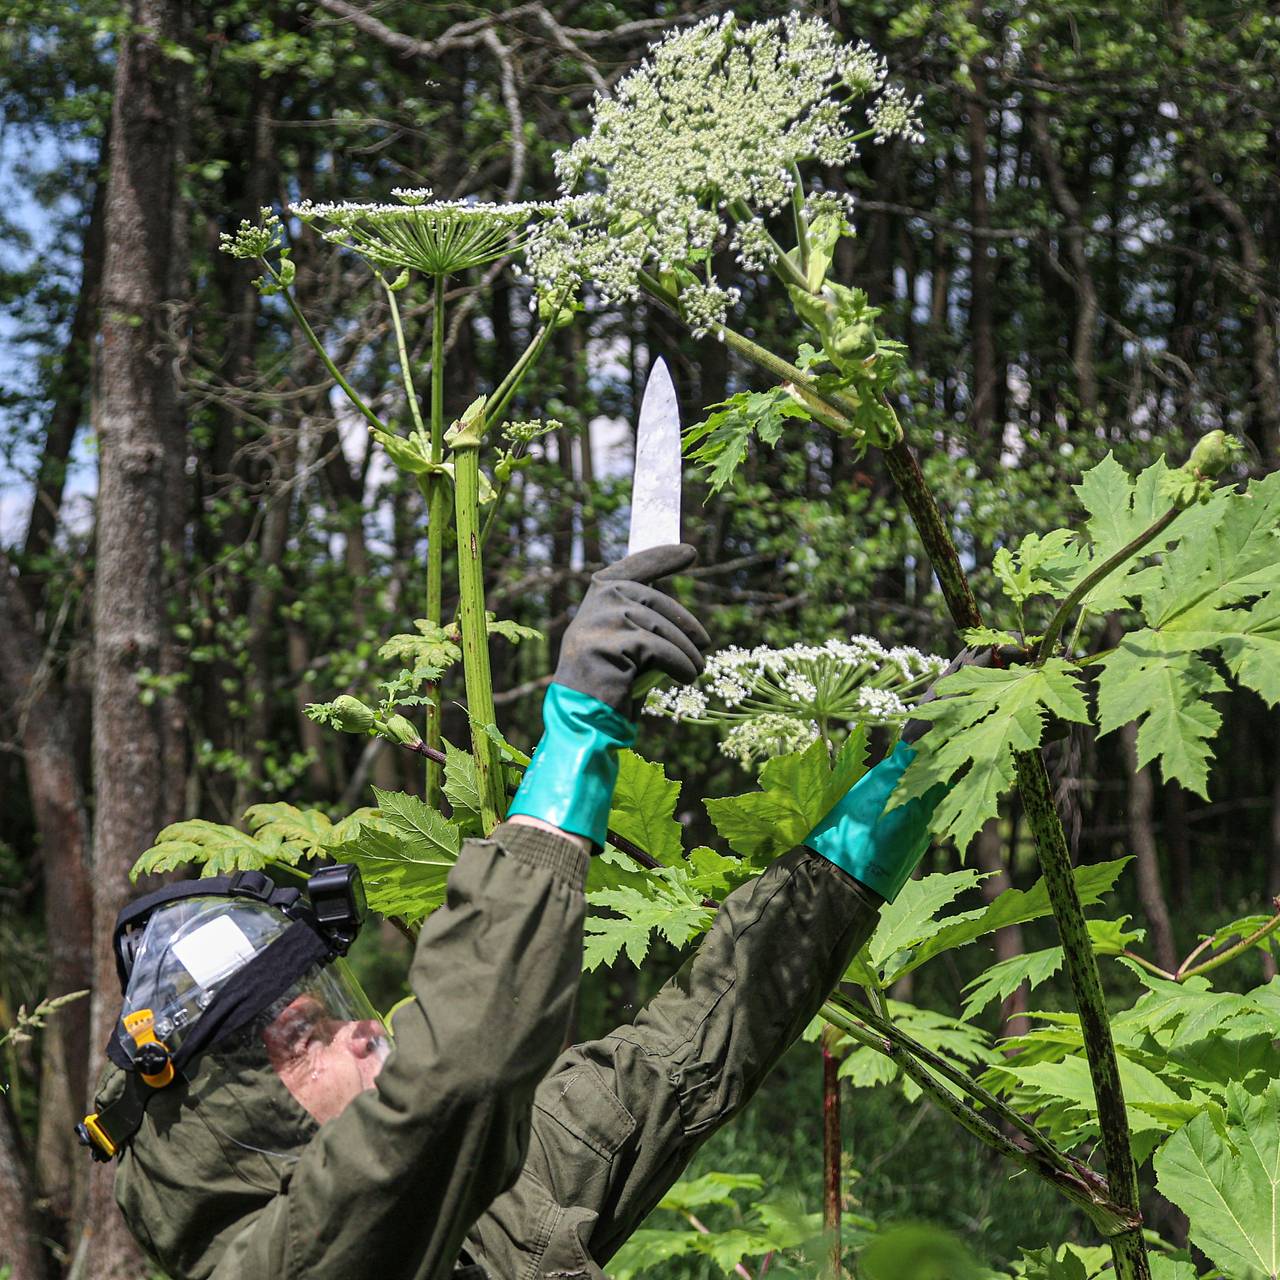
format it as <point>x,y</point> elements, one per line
<point>618,1119</point>
<point>390,1187</point>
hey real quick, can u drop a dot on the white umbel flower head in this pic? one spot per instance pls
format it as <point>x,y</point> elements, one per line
<point>701,143</point>
<point>436,237</point>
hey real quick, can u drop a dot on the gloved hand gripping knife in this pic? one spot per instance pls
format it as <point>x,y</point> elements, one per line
<point>625,629</point>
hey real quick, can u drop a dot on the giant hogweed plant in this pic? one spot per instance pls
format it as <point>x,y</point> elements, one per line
<point>706,146</point>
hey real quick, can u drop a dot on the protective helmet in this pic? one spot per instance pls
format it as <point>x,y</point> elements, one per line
<point>234,967</point>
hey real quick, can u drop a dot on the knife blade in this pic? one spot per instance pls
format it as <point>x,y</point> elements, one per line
<point>655,486</point>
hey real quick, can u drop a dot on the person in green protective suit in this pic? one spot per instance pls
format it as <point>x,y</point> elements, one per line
<point>295,1145</point>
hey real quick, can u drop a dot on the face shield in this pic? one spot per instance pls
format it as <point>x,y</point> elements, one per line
<point>238,975</point>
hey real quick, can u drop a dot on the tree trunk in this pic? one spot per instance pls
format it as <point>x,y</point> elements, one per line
<point>981,324</point>
<point>20,1241</point>
<point>57,800</point>
<point>136,428</point>
<point>1142,844</point>
<point>1082,339</point>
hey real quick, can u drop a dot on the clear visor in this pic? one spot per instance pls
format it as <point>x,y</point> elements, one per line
<point>324,1040</point>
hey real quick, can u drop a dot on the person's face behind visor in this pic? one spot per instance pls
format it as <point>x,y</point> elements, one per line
<point>323,1058</point>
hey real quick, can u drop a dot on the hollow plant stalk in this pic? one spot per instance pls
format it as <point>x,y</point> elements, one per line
<point>435,489</point>
<point>465,442</point>
<point>1127,1245</point>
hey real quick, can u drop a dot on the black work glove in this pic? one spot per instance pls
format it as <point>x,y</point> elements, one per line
<point>626,630</point>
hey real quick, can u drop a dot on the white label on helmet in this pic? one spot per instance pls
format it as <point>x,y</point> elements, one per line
<point>213,950</point>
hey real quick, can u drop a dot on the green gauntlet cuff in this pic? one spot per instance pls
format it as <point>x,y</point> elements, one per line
<point>569,783</point>
<point>879,849</point>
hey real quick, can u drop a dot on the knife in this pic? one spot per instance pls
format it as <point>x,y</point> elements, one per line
<point>655,487</point>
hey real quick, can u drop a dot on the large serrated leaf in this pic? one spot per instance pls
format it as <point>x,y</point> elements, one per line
<point>796,792</point>
<point>982,718</point>
<point>1014,906</point>
<point>216,848</point>
<point>405,865</point>
<point>1228,1185</point>
<point>644,805</point>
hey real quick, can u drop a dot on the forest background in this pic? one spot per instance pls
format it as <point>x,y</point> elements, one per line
<point>1079,258</point>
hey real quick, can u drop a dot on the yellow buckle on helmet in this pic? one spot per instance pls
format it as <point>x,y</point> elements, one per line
<point>155,1066</point>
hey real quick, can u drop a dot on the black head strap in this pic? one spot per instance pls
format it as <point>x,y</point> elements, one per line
<point>132,920</point>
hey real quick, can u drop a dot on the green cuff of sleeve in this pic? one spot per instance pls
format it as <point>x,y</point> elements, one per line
<point>877,848</point>
<point>569,782</point>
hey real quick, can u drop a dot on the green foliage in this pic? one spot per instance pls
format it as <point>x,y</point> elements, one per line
<point>982,717</point>
<point>933,935</point>
<point>919,1253</point>
<point>1217,594</point>
<point>404,860</point>
<point>796,792</point>
<point>644,805</point>
<point>1227,1182</point>
<point>763,1226</point>
<point>720,442</point>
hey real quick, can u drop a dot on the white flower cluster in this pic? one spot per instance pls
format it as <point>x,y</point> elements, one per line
<point>758,740</point>
<point>701,144</point>
<point>894,115</point>
<point>706,306</point>
<point>436,237</point>
<point>766,696</point>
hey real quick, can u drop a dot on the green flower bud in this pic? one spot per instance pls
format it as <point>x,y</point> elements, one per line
<point>352,715</point>
<point>1212,454</point>
<point>856,341</point>
<point>400,729</point>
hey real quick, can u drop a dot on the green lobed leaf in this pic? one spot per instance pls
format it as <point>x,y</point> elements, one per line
<point>1155,680</point>
<point>796,792</point>
<point>1228,1185</point>
<point>1014,906</point>
<point>982,717</point>
<point>1119,508</point>
<point>216,848</point>
<point>1004,978</point>
<point>405,864</point>
<point>913,915</point>
<point>1040,566</point>
<point>665,905</point>
<point>689,1195</point>
<point>720,441</point>
<point>460,786</point>
<point>644,805</point>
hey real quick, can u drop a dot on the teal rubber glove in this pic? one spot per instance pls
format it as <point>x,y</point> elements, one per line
<point>879,849</point>
<point>569,782</point>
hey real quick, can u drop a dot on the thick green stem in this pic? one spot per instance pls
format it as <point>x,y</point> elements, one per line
<point>475,633</point>
<point>1095,576</point>
<point>435,488</point>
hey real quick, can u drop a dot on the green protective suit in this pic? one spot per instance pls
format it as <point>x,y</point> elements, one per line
<point>487,1150</point>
